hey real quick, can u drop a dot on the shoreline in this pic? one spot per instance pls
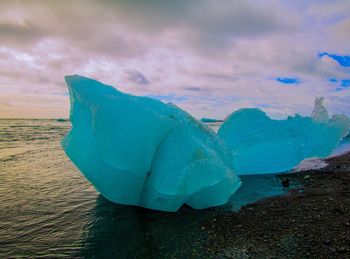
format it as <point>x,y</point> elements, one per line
<point>311,221</point>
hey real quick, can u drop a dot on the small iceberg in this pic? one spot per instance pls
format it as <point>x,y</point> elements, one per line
<point>140,151</point>
<point>261,145</point>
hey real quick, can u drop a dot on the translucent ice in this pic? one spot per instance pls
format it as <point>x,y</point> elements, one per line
<point>320,112</point>
<point>140,151</point>
<point>190,161</point>
<point>263,145</point>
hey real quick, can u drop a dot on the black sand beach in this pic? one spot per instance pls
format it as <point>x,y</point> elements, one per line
<point>312,222</point>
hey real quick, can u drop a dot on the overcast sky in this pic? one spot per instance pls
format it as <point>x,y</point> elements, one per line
<point>208,57</point>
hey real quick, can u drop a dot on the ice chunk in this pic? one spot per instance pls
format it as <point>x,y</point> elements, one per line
<point>263,145</point>
<point>191,166</point>
<point>342,122</point>
<point>129,148</point>
<point>320,112</point>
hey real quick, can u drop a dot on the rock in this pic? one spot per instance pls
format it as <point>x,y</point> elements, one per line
<point>285,183</point>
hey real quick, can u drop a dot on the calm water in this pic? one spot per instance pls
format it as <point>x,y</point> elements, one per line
<point>48,209</point>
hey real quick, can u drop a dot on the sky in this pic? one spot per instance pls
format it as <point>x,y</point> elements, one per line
<point>208,57</point>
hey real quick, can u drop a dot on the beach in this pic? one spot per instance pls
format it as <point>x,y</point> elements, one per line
<point>310,222</point>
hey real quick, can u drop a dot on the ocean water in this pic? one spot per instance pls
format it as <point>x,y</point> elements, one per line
<point>48,209</point>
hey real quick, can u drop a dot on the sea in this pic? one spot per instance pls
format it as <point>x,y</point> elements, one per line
<point>49,210</point>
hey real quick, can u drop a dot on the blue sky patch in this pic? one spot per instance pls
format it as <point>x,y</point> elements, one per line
<point>345,83</point>
<point>342,60</point>
<point>288,80</point>
<point>339,89</point>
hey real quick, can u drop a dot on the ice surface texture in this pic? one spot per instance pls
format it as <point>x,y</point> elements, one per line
<point>140,151</point>
<point>262,145</point>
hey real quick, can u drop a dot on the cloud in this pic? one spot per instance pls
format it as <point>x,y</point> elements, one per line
<point>341,30</point>
<point>24,33</point>
<point>169,98</point>
<point>345,82</point>
<point>194,88</point>
<point>125,27</point>
<point>137,77</point>
<point>209,57</point>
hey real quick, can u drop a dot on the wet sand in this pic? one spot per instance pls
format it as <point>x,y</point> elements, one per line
<point>312,221</point>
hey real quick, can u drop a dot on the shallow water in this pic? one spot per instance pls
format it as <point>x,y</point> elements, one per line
<point>48,209</point>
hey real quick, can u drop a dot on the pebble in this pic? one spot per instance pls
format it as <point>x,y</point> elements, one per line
<point>285,182</point>
<point>327,242</point>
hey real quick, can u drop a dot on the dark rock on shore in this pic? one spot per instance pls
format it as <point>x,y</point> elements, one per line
<point>285,182</point>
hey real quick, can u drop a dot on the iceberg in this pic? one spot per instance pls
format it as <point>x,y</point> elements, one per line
<point>140,151</point>
<point>192,161</point>
<point>320,112</point>
<point>262,145</point>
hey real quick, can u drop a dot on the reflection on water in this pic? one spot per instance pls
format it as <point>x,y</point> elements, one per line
<point>125,231</point>
<point>48,209</point>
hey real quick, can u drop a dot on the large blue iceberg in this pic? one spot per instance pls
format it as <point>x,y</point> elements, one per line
<point>140,151</point>
<point>262,145</point>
